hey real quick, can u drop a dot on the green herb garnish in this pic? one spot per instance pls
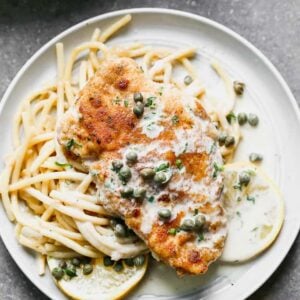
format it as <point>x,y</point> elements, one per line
<point>162,167</point>
<point>217,169</point>
<point>150,102</point>
<point>200,237</point>
<point>160,90</point>
<point>212,148</point>
<point>116,101</point>
<point>63,165</point>
<point>149,126</point>
<point>196,211</point>
<point>237,187</point>
<point>251,198</point>
<point>179,164</point>
<point>185,148</point>
<point>175,120</point>
<point>126,103</point>
<point>70,144</point>
<point>172,231</point>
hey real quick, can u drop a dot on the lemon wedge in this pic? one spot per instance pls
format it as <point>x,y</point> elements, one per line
<point>102,283</point>
<point>255,210</point>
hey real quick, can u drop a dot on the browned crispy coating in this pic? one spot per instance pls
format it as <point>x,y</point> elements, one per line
<point>103,127</point>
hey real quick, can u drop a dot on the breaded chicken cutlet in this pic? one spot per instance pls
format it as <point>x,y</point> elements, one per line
<point>154,162</point>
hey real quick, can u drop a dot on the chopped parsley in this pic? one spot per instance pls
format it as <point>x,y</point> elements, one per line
<point>213,148</point>
<point>185,148</point>
<point>179,164</point>
<point>251,199</point>
<point>63,165</point>
<point>196,211</point>
<point>231,117</point>
<point>150,126</point>
<point>175,120</point>
<point>150,102</point>
<point>150,199</point>
<point>254,229</point>
<point>217,169</point>
<point>126,103</point>
<point>200,237</point>
<point>160,90</point>
<point>172,231</point>
<point>116,100</point>
<point>70,144</point>
<point>162,167</point>
<point>237,187</point>
<point>238,213</point>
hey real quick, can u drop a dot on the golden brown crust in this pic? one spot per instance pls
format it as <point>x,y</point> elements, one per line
<point>105,125</point>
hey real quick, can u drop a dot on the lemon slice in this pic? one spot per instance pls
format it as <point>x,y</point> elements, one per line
<point>255,212</point>
<point>103,283</point>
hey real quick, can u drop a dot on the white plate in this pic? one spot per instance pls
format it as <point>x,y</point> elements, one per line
<point>277,138</point>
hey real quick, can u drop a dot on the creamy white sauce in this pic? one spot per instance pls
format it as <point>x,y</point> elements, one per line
<point>153,114</point>
<point>187,140</point>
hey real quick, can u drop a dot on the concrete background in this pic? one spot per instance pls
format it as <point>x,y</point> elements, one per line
<point>273,26</point>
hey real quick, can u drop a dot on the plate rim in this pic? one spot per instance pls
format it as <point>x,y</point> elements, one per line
<point>256,285</point>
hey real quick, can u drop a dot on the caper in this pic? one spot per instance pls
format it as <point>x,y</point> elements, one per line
<point>126,192</point>
<point>199,222</point>
<point>188,225</point>
<point>125,173</point>
<point>244,178</point>
<point>139,193</point>
<point>71,272</point>
<point>131,156</point>
<point>147,173</point>
<point>138,97</point>
<point>107,261</point>
<point>117,165</point>
<point>255,157</point>
<point>75,262</point>
<point>118,267</point>
<point>242,118</point>
<point>120,230</point>
<point>222,138</point>
<point>129,262</point>
<point>138,109</point>
<point>62,264</point>
<point>87,269</point>
<point>238,87</point>
<point>139,260</point>
<point>160,178</point>
<point>253,120</point>
<point>164,214</point>
<point>57,273</point>
<point>188,80</point>
<point>229,141</point>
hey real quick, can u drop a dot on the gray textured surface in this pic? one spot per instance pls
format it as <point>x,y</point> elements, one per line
<point>273,26</point>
